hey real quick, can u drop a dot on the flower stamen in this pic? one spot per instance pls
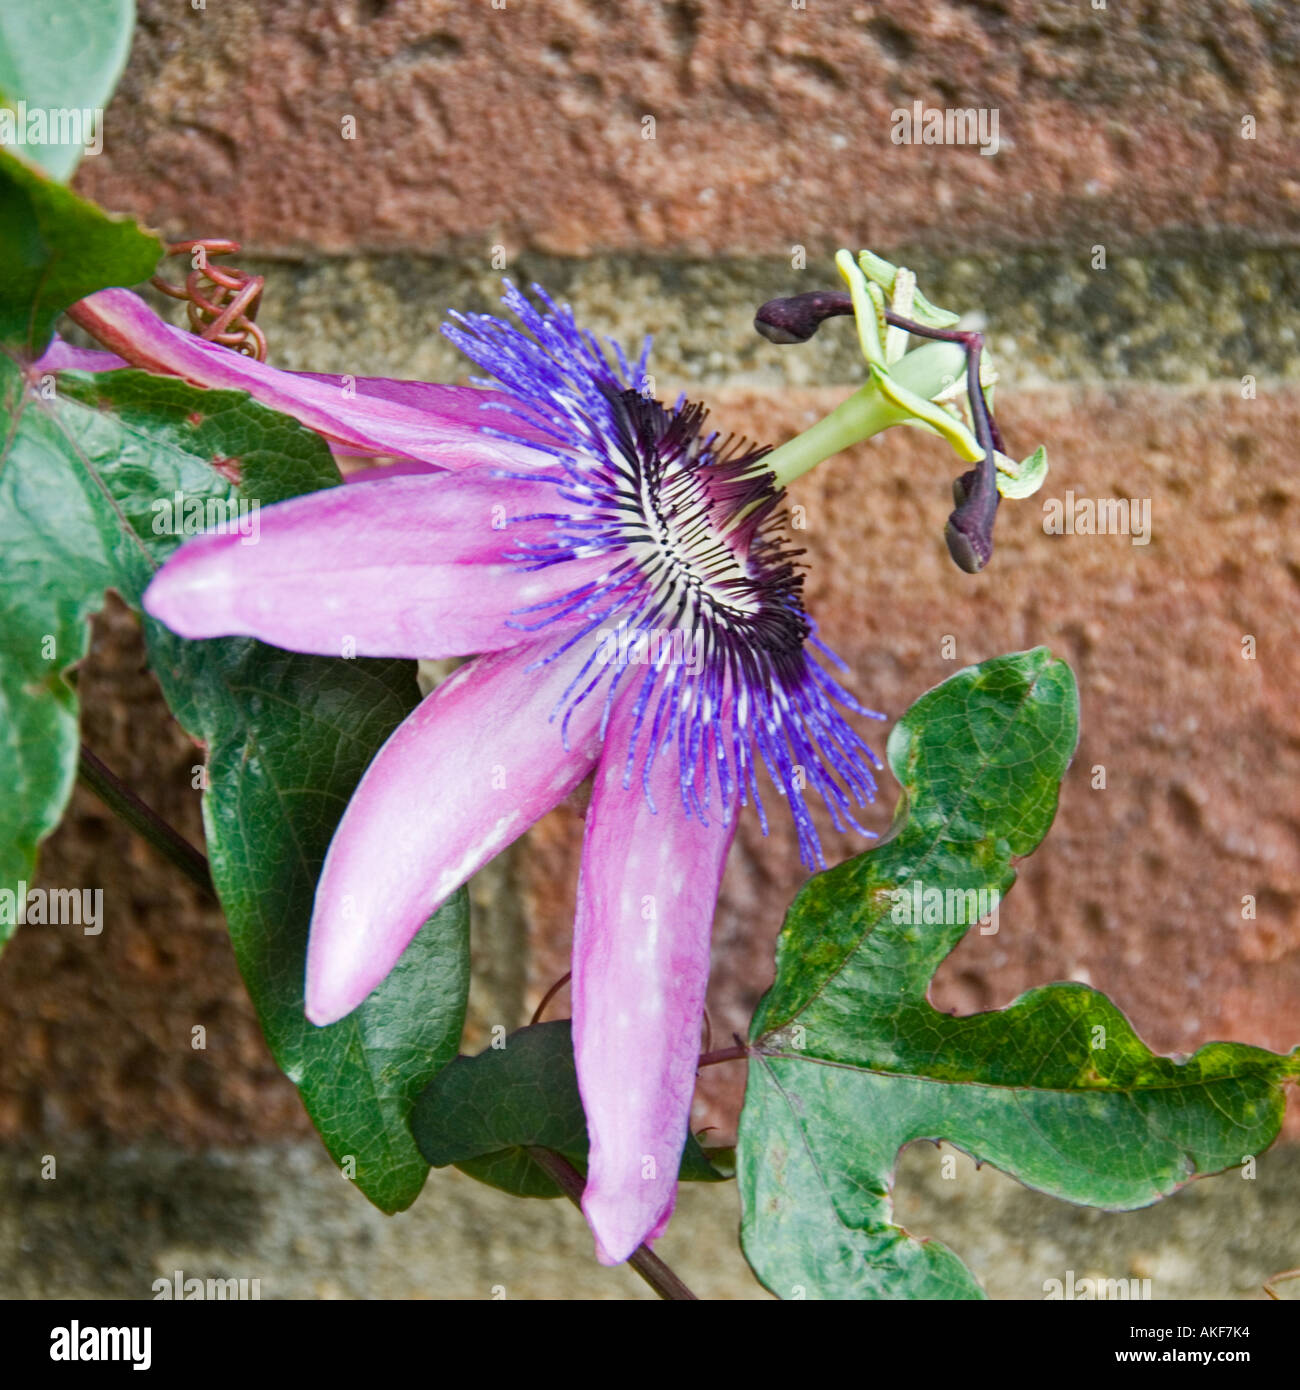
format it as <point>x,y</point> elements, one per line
<point>907,388</point>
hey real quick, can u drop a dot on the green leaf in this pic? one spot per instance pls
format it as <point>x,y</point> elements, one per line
<point>482,1113</point>
<point>55,249</point>
<point>54,575</point>
<point>288,738</point>
<point>86,479</point>
<point>60,56</point>
<point>851,1062</point>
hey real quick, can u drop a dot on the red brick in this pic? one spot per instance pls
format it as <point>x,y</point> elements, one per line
<point>522,126</point>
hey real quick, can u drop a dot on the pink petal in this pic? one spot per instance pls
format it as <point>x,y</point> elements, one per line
<point>445,428</point>
<point>406,566</point>
<point>384,470</point>
<point>465,775</point>
<point>63,356</point>
<point>646,897</point>
<point>462,403</point>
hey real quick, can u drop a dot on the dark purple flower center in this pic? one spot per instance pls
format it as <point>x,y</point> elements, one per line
<point>698,618</point>
<point>701,520</point>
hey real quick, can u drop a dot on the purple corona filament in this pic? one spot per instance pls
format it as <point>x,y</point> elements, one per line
<point>692,526</point>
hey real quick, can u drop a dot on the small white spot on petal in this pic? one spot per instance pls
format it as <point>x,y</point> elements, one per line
<point>452,878</point>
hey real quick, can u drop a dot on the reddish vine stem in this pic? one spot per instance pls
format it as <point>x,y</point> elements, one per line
<point>548,996</point>
<point>646,1263</point>
<point>144,820</point>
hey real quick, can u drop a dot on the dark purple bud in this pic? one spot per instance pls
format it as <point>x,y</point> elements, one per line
<point>796,319</point>
<point>970,553</point>
<point>969,532</point>
<point>961,487</point>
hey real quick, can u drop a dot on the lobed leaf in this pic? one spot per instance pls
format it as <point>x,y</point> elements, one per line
<point>851,1062</point>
